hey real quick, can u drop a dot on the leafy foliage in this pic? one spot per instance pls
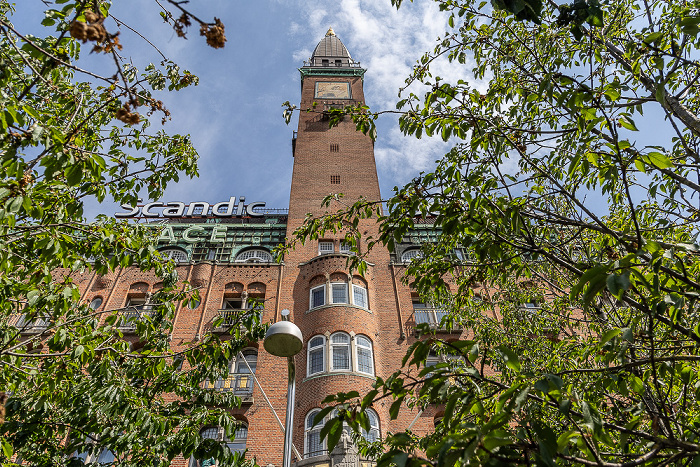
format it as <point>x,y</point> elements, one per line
<point>572,189</point>
<point>72,382</point>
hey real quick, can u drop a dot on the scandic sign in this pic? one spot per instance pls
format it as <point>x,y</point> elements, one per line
<point>179,209</point>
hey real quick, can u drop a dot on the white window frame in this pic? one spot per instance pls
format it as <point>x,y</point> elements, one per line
<point>308,420</point>
<point>335,285</point>
<point>254,255</point>
<point>373,428</point>
<point>363,292</point>
<point>346,248</point>
<point>326,247</point>
<point>332,345</point>
<point>311,296</point>
<point>309,349</point>
<point>357,347</point>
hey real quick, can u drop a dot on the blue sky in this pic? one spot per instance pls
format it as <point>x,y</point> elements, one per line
<point>235,114</point>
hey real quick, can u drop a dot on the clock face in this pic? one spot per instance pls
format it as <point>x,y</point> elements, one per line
<point>332,90</point>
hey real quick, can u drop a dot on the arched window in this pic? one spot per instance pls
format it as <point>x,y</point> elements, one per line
<point>340,352</point>
<point>373,433</point>
<point>409,255</point>
<point>313,446</point>
<point>238,444</point>
<point>365,361</point>
<point>254,256</point>
<point>316,358</point>
<point>176,254</point>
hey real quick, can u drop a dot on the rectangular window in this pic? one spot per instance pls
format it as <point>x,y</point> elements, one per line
<point>423,313</point>
<point>335,179</point>
<point>339,292</point>
<point>364,360</point>
<point>325,248</point>
<point>345,248</point>
<point>335,147</point>
<point>359,296</point>
<point>318,296</point>
<point>341,358</point>
<point>316,361</point>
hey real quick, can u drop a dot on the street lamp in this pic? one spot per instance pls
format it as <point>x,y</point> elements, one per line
<point>283,339</point>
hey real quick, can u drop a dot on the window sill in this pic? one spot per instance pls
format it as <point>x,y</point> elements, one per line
<point>331,305</point>
<point>338,373</point>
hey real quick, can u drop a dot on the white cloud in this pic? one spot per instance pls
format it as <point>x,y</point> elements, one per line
<point>387,42</point>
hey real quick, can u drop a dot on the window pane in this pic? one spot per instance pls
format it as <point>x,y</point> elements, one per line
<point>359,296</point>
<point>364,360</point>
<point>318,297</point>
<point>316,361</point>
<point>340,293</point>
<point>106,457</point>
<point>313,443</point>
<point>341,357</point>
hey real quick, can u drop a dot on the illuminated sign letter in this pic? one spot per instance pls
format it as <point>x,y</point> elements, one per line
<point>147,209</point>
<point>249,209</point>
<point>193,205</point>
<point>230,204</point>
<point>218,234</point>
<point>176,209</point>
<point>133,210</point>
<point>167,234</point>
<point>190,230</point>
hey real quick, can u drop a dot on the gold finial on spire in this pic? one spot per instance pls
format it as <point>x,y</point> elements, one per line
<point>330,32</point>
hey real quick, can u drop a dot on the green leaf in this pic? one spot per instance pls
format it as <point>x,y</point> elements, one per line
<point>510,358</point>
<point>628,123</point>
<point>658,160</point>
<point>7,449</point>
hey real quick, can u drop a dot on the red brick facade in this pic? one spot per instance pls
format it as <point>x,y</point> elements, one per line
<point>327,160</point>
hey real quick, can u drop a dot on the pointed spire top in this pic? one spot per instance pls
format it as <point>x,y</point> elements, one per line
<point>330,32</point>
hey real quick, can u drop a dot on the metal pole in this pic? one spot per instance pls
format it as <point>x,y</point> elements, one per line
<point>289,422</point>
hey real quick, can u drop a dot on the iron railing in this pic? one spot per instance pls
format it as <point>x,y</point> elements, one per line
<point>130,316</point>
<point>26,325</point>
<point>241,384</point>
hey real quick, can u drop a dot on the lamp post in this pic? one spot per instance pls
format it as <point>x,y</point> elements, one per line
<point>284,339</point>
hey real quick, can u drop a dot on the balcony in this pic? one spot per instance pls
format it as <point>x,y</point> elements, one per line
<point>29,326</point>
<point>240,384</point>
<point>230,316</point>
<point>130,316</point>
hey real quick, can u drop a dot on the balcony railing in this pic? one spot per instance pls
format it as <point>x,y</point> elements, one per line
<point>230,316</point>
<point>130,316</point>
<point>29,326</point>
<point>241,384</point>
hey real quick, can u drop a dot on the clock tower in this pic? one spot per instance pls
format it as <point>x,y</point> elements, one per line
<point>339,311</point>
<point>330,160</point>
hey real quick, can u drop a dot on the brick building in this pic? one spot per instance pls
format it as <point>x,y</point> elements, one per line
<point>355,327</point>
